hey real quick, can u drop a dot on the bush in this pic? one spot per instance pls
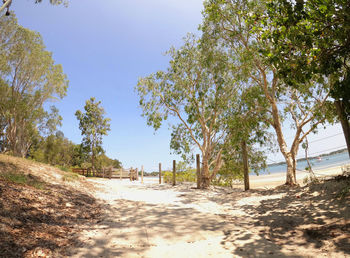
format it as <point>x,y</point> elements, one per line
<point>70,176</point>
<point>23,179</point>
<point>185,176</point>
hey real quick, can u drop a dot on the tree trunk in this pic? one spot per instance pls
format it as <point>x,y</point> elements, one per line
<point>344,122</point>
<point>92,160</point>
<point>205,178</point>
<point>291,177</point>
<point>245,165</point>
<point>198,172</point>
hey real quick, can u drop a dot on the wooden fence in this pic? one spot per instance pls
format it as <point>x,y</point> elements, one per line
<point>131,174</point>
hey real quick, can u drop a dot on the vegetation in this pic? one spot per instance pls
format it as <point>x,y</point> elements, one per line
<point>201,90</point>
<point>93,126</point>
<point>304,107</point>
<point>258,66</point>
<point>23,179</point>
<point>183,176</point>
<point>29,79</point>
<point>313,39</point>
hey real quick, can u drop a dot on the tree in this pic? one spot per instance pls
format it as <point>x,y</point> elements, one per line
<point>29,79</point>
<point>313,37</point>
<point>232,24</point>
<point>104,161</point>
<point>54,149</point>
<point>247,129</point>
<point>197,89</point>
<point>93,127</point>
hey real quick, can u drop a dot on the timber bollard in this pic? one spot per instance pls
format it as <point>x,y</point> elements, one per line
<point>160,173</point>
<point>174,172</point>
<point>142,174</point>
<point>198,171</point>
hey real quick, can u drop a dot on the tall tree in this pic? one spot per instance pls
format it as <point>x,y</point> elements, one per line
<point>197,90</point>
<point>230,23</point>
<point>93,127</point>
<point>313,37</point>
<point>29,79</point>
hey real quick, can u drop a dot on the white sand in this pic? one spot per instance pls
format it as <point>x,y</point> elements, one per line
<point>152,220</point>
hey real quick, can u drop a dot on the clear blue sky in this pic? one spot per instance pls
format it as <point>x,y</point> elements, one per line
<point>104,47</point>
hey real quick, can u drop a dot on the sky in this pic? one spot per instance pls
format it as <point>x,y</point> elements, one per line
<point>104,48</point>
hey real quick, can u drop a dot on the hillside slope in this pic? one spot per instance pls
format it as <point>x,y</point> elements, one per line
<point>41,208</point>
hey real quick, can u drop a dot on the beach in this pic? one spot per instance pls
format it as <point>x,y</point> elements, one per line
<point>152,220</point>
<point>275,179</point>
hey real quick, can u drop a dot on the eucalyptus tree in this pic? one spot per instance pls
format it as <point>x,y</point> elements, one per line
<point>93,127</point>
<point>313,37</point>
<point>29,79</point>
<point>235,25</point>
<point>196,90</point>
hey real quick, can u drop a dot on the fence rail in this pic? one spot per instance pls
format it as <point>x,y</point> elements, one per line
<point>108,173</point>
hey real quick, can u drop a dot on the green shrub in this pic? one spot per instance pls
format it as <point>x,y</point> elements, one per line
<point>70,177</point>
<point>23,179</point>
<point>64,168</point>
<point>185,176</point>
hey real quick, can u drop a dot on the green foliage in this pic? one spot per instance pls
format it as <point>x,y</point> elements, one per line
<point>314,42</point>
<point>188,175</point>
<point>93,127</point>
<point>104,161</point>
<point>23,179</point>
<point>55,150</point>
<point>198,89</point>
<point>29,79</point>
<point>70,177</point>
<point>240,28</point>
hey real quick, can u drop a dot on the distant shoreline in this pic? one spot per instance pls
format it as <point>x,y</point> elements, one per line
<point>275,179</point>
<point>312,158</point>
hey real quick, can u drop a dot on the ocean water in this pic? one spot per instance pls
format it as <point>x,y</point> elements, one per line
<point>333,160</point>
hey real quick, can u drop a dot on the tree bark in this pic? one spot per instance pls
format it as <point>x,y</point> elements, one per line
<point>245,165</point>
<point>205,178</point>
<point>198,166</point>
<point>344,122</point>
<point>291,177</point>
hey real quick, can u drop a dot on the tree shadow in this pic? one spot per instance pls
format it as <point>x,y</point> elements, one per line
<point>42,219</point>
<point>309,217</point>
<point>133,228</point>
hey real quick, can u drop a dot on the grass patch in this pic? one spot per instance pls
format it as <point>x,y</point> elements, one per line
<point>23,179</point>
<point>65,169</point>
<point>70,177</point>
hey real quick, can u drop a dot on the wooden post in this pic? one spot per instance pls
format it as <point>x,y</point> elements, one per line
<point>174,172</point>
<point>121,173</point>
<point>137,174</point>
<point>198,163</point>
<point>110,172</point>
<point>245,165</point>
<point>142,174</point>
<point>160,173</point>
<point>130,173</point>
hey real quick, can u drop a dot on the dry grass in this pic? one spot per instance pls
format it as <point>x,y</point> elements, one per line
<point>42,208</point>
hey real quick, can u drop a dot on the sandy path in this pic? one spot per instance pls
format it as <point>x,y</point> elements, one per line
<point>153,220</point>
<point>160,221</point>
